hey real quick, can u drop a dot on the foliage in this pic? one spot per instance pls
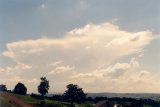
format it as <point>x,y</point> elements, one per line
<point>129,102</point>
<point>57,97</point>
<point>37,96</point>
<point>74,94</point>
<point>44,86</point>
<point>3,87</point>
<point>38,101</point>
<point>20,88</point>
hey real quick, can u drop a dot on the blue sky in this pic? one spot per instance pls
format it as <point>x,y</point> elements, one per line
<point>23,21</point>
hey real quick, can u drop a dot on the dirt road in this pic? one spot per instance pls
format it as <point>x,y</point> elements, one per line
<point>13,99</point>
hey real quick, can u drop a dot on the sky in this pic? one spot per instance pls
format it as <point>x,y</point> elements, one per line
<point>102,46</point>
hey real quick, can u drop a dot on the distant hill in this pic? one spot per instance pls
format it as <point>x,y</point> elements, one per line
<point>152,96</point>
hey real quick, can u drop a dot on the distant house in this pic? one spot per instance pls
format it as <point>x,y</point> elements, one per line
<point>106,103</point>
<point>118,105</point>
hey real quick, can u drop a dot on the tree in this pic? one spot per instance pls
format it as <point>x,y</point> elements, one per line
<point>3,87</point>
<point>20,89</point>
<point>43,87</point>
<point>74,94</point>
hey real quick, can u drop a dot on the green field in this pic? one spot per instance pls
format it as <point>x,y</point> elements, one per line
<point>31,100</point>
<point>4,102</point>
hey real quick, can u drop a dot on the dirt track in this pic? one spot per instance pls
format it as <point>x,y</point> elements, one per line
<point>16,100</point>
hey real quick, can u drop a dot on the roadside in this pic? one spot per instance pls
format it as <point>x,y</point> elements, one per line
<point>13,99</point>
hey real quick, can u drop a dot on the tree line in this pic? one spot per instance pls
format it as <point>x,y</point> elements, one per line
<point>76,94</point>
<point>72,94</point>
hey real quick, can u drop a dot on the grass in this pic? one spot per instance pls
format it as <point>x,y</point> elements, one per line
<point>84,105</point>
<point>31,100</point>
<point>146,106</point>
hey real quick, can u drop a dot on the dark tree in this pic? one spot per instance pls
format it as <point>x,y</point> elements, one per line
<point>3,87</point>
<point>43,87</point>
<point>74,94</point>
<point>20,89</point>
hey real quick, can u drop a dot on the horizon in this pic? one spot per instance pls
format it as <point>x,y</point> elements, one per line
<point>108,46</point>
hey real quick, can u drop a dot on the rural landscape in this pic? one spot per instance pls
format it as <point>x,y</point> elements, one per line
<point>72,97</point>
<point>79,53</point>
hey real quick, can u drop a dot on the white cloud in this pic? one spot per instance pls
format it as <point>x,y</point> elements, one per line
<point>56,63</point>
<point>144,74</point>
<point>106,43</point>
<point>12,81</point>
<point>61,69</point>
<point>120,77</point>
<point>16,79</point>
<point>19,68</point>
<point>88,54</point>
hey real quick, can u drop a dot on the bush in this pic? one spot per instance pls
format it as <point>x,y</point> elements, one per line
<point>36,96</point>
<point>20,89</point>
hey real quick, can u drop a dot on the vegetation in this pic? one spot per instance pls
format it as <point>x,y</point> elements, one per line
<point>3,87</point>
<point>43,87</point>
<point>46,102</point>
<point>74,94</point>
<point>20,89</point>
<point>129,102</point>
<point>38,101</point>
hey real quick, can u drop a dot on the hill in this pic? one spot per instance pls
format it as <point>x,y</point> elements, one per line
<point>153,96</point>
<point>15,100</point>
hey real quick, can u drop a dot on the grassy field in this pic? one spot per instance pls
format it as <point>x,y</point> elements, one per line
<point>4,102</point>
<point>28,99</point>
<point>31,100</point>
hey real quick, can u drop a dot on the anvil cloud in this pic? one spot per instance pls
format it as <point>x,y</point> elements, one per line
<point>89,56</point>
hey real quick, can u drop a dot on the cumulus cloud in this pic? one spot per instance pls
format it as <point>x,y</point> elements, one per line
<point>12,81</point>
<point>119,69</point>
<point>16,79</point>
<point>61,69</point>
<point>100,44</point>
<point>120,77</point>
<point>90,52</point>
<point>20,67</point>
